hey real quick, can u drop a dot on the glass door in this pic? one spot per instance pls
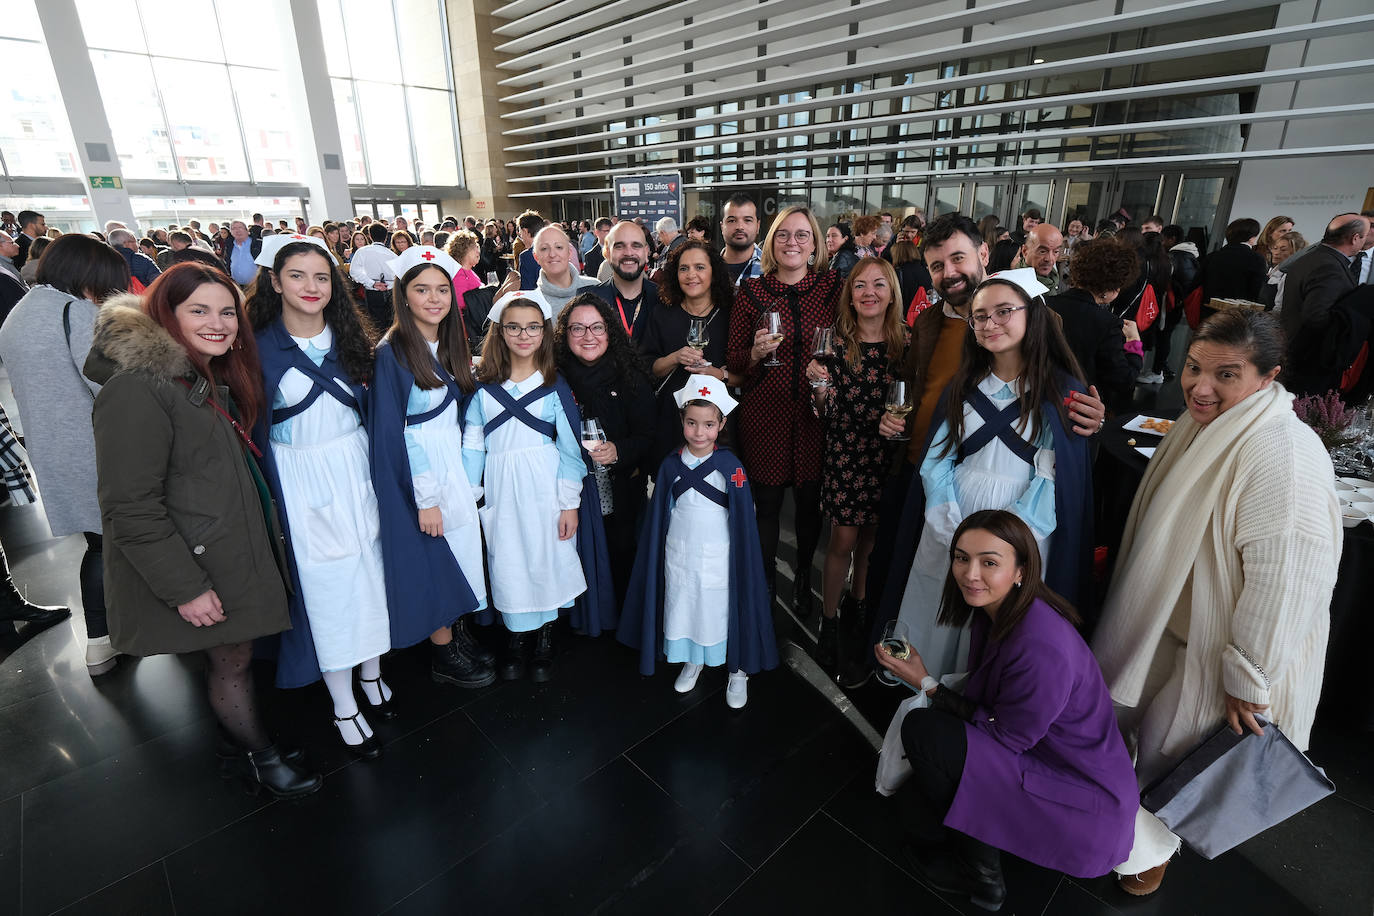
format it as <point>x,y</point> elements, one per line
<point>1139,197</point>
<point>991,198</point>
<point>1084,199</point>
<point>946,198</point>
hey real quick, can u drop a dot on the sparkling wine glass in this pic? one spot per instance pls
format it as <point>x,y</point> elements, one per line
<point>823,350</point>
<point>898,403</point>
<point>772,320</point>
<point>492,279</point>
<point>896,642</point>
<point>592,434</point>
<point>698,336</point>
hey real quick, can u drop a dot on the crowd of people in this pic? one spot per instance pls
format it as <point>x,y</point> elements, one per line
<point>333,441</point>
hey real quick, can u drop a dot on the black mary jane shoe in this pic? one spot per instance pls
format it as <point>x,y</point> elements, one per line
<point>370,749</point>
<point>385,710</point>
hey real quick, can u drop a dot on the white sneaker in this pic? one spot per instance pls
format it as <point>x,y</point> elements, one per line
<point>100,656</point>
<point>737,690</point>
<point>688,678</point>
<point>1150,378</point>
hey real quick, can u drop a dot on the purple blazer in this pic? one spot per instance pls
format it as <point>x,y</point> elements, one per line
<point>1047,776</point>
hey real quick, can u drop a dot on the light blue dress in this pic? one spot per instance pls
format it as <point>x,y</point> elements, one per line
<point>994,477</point>
<point>696,575</point>
<point>528,480</point>
<point>438,479</point>
<point>326,485</point>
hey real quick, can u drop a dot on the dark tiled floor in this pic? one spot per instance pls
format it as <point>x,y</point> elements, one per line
<point>602,792</point>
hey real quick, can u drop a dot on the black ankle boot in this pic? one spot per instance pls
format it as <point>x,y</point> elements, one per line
<point>266,769</point>
<point>541,671</point>
<point>803,601</point>
<point>828,644</point>
<point>454,665</point>
<point>14,606</point>
<point>856,652</point>
<point>513,663</point>
<point>966,868</point>
<point>462,634</point>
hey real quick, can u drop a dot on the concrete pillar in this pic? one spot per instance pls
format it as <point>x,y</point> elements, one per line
<point>475,75</point>
<point>95,148</point>
<point>305,72</point>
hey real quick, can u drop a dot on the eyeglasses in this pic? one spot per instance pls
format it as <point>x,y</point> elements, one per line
<point>523,330</point>
<point>578,330</point>
<point>801,235</point>
<point>998,318</point>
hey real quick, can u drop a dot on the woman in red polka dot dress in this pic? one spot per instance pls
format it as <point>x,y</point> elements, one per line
<point>779,433</point>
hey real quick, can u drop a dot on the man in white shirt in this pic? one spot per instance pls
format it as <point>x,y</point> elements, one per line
<point>370,271</point>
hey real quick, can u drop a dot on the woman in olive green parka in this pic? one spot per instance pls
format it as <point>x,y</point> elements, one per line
<point>191,558</point>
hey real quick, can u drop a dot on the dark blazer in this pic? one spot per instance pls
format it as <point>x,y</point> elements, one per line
<point>1234,272</point>
<point>1315,282</point>
<point>23,241</point>
<point>1095,337</point>
<point>647,305</point>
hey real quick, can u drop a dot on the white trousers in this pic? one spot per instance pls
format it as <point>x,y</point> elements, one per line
<point>1149,723</point>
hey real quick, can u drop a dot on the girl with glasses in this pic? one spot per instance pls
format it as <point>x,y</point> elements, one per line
<point>611,384</point>
<point>1006,446</point>
<point>431,537</point>
<point>521,447</point>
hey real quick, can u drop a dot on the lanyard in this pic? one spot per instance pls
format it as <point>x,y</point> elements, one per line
<point>238,428</point>
<point>621,306</point>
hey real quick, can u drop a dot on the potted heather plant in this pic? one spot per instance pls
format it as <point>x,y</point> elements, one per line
<point>1327,415</point>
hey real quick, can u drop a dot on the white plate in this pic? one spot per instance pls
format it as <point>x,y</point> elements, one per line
<point>1352,517</point>
<point>1147,452</point>
<point>1135,427</point>
<point>1345,488</point>
<point>1356,482</point>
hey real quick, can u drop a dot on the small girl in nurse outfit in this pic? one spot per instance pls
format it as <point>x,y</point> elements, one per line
<point>698,591</point>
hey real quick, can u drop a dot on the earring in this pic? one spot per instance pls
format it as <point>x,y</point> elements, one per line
<point>811,260</point>
<point>1018,583</point>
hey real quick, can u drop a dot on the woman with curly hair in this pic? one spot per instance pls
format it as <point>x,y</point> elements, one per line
<point>611,384</point>
<point>1107,348</point>
<point>316,351</point>
<point>466,248</point>
<point>695,286</point>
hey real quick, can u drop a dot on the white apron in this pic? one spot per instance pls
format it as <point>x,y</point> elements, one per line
<point>326,485</point>
<point>696,566</point>
<point>441,439</point>
<point>532,571</point>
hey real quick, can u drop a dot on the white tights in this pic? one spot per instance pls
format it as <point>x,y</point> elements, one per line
<point>354,727</point>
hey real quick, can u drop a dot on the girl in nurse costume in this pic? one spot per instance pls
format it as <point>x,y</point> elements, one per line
<point>999,440</point>
<point>545,543</point>
<point>316,358</point>
<point>698,589</point>
<point>431,537</point>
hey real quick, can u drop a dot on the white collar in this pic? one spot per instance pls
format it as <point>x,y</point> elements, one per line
<point>321,341</point>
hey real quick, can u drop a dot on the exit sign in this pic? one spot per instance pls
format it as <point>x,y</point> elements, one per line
<point>106,181</point>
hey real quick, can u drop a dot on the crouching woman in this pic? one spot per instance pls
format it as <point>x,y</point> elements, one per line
<point>1028,757</point>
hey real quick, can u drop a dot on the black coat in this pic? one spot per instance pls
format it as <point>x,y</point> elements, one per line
<point>1234,272</point>
<point>1315,281</point>
<point>911,276</point>
<point>1095,337</point>
<point>639,319</point>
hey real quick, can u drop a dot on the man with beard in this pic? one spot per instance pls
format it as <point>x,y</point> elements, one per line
<point>957,258</point>
<point>739,226</point>
<point>633,297</point>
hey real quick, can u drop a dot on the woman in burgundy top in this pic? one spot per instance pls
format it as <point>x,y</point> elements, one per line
<point>780,436</point>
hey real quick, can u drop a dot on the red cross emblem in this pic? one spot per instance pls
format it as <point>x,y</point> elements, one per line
<point>298,237</point>
<point>704,391</point>
<point>738,478</point>
<point>427,255</point>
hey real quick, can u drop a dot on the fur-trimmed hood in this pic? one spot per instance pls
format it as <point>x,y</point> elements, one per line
<point>127,339</point>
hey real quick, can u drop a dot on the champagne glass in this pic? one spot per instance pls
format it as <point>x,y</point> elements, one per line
<point>592,434</point>
<point>896,642</point>
<point>898,404</point>
<point>492,279</point>
<point>823,350</point>
<point>772,320</point>
<point>698,336</point>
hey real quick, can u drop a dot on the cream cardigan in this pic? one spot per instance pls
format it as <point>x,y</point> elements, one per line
<point>1237,524</point>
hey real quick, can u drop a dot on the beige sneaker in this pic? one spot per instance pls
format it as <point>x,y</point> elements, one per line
<point>100,656</point>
